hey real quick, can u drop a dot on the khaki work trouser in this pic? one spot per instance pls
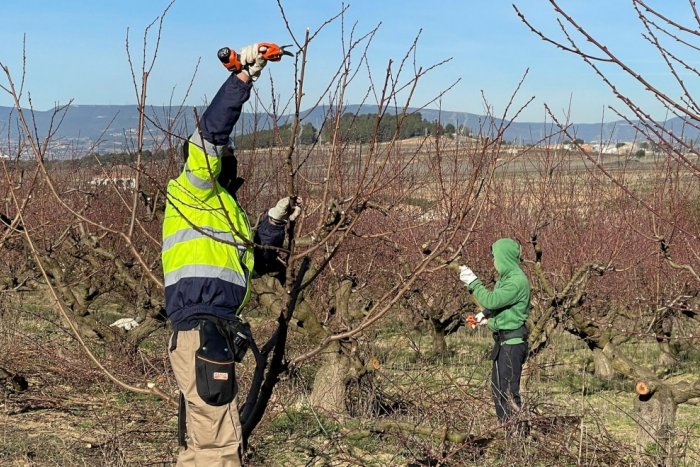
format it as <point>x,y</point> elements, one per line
<point>213,433</point>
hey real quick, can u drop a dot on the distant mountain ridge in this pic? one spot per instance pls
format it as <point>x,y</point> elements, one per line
<point>114,125</point>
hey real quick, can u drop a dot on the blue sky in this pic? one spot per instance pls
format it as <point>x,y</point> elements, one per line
<point>76,50</point>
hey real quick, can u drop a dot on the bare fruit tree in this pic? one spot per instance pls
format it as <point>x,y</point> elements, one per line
<point>667,225</point>
<point>363,213</point>
<point>92,230</point>
<point>391,205</point>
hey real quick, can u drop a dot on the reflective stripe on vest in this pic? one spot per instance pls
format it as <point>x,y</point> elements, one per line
<point>203,270</point>
<point>196,181</point>
<point>203,163</point>
<point>207,240</point>
<point>185,235</point>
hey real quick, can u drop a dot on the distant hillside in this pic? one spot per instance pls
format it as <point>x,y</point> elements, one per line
<point>114,125</point>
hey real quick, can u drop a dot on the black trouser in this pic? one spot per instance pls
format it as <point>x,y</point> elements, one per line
<point>505,377</point>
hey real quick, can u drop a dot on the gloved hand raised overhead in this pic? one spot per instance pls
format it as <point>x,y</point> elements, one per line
<point>252,60</point>
<point>249,54</point>
<point>283,210</point>
<point>466,275</point>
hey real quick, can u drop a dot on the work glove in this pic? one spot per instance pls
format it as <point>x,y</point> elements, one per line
<point>466,275</point>
<point>126,324</point>
<point>252,60</point>
<point>481,318</point>
<point>283,210</point>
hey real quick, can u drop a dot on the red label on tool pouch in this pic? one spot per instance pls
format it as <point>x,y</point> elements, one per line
<point>220,376</point>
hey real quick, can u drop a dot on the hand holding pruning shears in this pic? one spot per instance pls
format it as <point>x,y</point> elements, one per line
<point>480,320</point>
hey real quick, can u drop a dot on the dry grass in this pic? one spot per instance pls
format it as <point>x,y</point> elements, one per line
<point>70,416</point>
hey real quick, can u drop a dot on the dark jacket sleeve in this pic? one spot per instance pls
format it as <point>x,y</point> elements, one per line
<point>224,111</point>
<point>268,234</point>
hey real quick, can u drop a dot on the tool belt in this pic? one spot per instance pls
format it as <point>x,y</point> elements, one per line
<point>236,332</point>
<point>503,335</point>
<point>222,343</point>
<point>506,334</point>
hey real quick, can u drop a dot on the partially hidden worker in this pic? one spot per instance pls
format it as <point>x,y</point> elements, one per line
<point>506,309</point>
<point>208,257</point>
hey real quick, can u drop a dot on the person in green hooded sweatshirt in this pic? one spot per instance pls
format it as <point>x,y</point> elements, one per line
<point>506,309</point>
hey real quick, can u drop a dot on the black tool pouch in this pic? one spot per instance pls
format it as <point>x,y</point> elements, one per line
<point>214,366</point>
<point>240,337</point>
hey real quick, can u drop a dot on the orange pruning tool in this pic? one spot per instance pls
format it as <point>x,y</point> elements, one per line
<point>274,52</point>
<point>471,321</point>
<point>269,50</point>
<point>230,59</point>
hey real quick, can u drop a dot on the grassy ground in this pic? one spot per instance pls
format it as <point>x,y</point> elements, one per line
<point>561,386</point>
<point>69,414</point>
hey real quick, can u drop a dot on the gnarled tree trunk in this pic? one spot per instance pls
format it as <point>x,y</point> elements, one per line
<point>656,417</point>
<point>602,366</point>
<point>439,342</point>
<point>338,369</point>
<point>330,385</point>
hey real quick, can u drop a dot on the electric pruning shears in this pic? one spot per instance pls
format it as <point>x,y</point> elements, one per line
<point>269,50</point>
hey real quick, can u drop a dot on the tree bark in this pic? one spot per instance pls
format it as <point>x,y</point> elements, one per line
<point>602,366</point>
<point>667,359</point>
<point>656,417</point>
<point>439,342</point>
<point>329,392</point>
<point>329,388</point>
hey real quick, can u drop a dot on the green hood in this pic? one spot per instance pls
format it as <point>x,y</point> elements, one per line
<point>506,255</point>
<point>509,302</point>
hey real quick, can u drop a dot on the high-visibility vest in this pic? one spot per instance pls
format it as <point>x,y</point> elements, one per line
<point>207,250</point>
